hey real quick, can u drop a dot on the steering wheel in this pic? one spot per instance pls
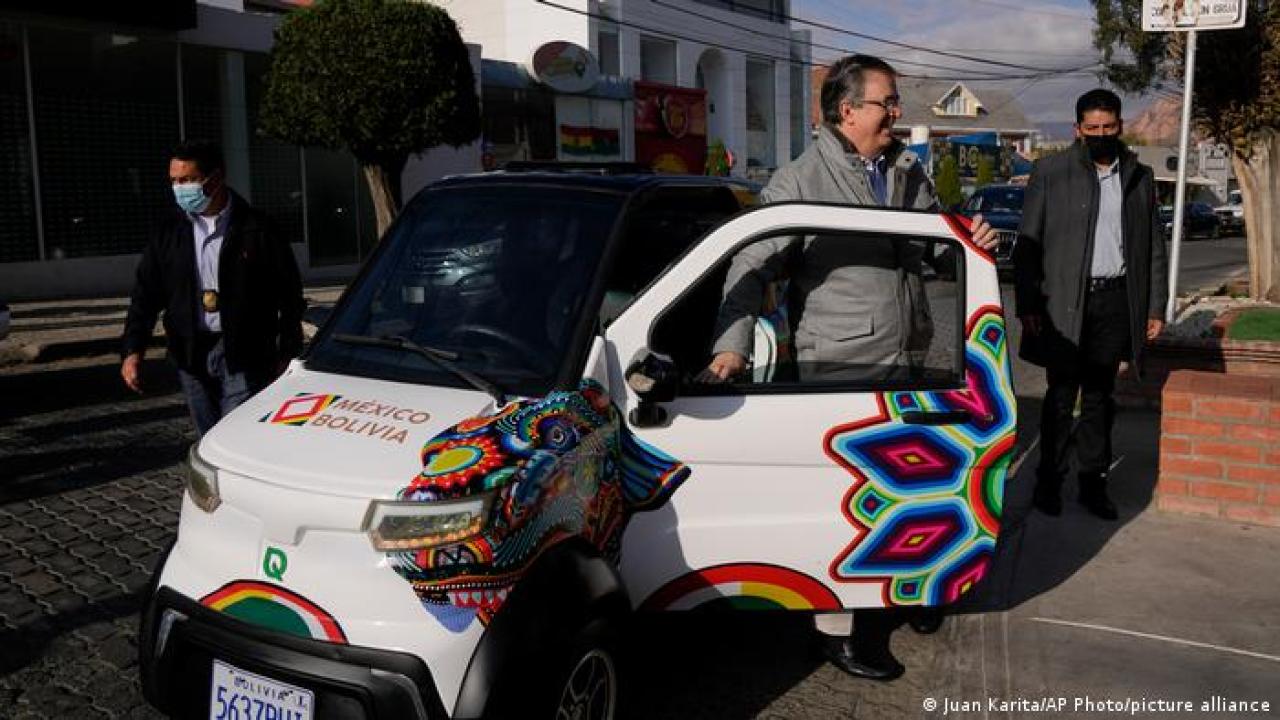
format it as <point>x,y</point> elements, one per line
<point>490,335</point>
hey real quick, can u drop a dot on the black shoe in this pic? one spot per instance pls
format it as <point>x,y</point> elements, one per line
<point>926,621</point>
<point>1097,502</point>
<point>1048,500</point>
<point>882,669</point>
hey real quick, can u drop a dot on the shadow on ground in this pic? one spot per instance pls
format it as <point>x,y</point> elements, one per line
<point>734,664</point>
<point>31,393</point>
<point>1036,553</point>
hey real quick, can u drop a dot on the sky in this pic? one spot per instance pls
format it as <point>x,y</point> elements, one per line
<point>1042,34</point>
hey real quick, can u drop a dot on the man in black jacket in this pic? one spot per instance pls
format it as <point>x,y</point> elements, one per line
<point>228,288</point>
<point>1091,284</point>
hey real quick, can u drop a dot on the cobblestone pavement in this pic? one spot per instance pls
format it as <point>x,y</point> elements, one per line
<point>89,488</point>
<point>90,481</point>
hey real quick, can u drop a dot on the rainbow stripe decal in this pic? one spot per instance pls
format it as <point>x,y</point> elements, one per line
<point>273,607</point>
<point>743,586</point>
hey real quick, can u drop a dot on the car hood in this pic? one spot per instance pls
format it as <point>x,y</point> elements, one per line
<point>337,434</point>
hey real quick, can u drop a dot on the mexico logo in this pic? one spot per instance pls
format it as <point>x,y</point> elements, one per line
<point>300,409</point>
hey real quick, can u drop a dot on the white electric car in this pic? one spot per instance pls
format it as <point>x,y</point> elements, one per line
<point>450,503</point>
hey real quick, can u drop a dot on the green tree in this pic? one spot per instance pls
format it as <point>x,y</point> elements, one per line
<point>1236,100</point>
<point>947,182</point>
<point>381,79</point>
<point>986,173</point>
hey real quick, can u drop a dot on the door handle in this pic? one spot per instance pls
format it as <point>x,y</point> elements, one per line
<point>940,417</point>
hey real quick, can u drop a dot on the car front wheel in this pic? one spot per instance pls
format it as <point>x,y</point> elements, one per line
<point>590,690</point>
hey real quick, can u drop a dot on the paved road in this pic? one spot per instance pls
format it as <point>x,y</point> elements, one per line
<point>1209,263</point>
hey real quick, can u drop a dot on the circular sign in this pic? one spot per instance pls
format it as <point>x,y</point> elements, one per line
<point>565,67</point>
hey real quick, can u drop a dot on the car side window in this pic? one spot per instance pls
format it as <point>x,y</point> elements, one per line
<point>656,233</point>
<point>821,313</point>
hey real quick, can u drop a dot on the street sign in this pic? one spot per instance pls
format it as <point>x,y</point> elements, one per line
<point>1182,15</point>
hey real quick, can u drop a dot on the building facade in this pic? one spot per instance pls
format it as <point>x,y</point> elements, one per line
<point>742,53</point>
<point>92,98</point>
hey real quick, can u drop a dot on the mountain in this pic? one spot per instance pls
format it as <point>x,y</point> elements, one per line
<point>1158,124</point>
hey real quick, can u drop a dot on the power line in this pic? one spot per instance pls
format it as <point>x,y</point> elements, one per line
<point>909,46</point>
<point>812,44</point>
<point>1029,11</point>
<point>969,76</point>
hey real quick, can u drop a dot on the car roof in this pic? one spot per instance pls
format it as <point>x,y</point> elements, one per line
<point>622,183</point>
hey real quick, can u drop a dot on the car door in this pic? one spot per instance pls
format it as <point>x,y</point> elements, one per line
<point>883,489</point>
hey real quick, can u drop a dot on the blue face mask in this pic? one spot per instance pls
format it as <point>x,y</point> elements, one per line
<point>190,197</point>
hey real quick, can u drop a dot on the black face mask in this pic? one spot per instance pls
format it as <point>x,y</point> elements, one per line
<point>1102,148</point>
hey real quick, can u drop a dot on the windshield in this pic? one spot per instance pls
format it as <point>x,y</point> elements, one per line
<point>1001,200</point>
<point>493,278</point>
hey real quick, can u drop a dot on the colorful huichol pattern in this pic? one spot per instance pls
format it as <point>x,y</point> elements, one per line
<point>560,467</point>
<point>926,501</point>
<point>273,607</point>
<point>743,586</point>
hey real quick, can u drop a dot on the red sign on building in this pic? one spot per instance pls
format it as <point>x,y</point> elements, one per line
<point>671,128</point>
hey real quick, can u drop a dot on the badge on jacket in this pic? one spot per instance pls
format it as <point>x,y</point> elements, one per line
<point>209,301</point>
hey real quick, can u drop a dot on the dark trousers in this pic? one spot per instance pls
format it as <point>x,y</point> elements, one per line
<point>212,391</point>
<point>1089,372</point>
<point>872,628</point>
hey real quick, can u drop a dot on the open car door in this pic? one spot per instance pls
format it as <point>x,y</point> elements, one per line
<point>880,488</point>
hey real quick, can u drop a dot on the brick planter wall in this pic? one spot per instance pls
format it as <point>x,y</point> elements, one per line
<point>1220,447</point>
<point>1170,354</point>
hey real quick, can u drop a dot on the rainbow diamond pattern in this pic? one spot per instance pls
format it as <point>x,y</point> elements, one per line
<point>926,500</point>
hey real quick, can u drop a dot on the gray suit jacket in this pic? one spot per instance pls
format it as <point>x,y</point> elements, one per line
<point>859,303</point>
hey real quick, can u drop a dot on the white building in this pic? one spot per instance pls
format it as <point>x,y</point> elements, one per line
<point>742,52</point>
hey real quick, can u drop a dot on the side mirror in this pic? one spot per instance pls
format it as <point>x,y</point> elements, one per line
<point>655,379</point>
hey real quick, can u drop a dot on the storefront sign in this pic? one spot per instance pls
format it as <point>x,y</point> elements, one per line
<point>969,155</point>
<point>1167,15</point>
<point>565,67</point>
<point>671,128</point>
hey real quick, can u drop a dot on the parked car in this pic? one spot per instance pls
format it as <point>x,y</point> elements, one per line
<point>4,321</point>
<point>449,509</point>
<point>1231,214</point>
<point>1198,221</point>
<point>1001,206</point>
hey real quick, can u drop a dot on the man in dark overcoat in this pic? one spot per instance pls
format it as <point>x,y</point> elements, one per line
<point>1091,283</point>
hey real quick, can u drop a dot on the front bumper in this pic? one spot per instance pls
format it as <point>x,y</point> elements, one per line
<point>180,638</point>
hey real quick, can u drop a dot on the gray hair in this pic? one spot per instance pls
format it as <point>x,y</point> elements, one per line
<point>844,83</point>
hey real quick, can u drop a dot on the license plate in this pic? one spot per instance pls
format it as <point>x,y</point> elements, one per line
<point>238,695</point>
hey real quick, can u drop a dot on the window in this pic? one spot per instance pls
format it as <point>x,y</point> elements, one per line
<point>657,60</point>
<point>106,106</point>
<point>761,114</point>
<point>494,276</point>
<point>656,234</point>
<point>18,240</point>
<point>610,54</point>
<point>846,311</point>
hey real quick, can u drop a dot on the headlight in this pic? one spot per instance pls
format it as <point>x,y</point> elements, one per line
<point>202,482</point>
<point>398,525</point>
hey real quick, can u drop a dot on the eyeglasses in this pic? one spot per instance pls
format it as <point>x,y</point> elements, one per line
<point>890,104</point>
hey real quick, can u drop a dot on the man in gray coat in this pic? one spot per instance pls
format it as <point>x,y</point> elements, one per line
<point>861,304</point>
<point>1091,284</point>
<point>863,312</point>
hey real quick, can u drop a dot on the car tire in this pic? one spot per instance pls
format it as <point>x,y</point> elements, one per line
<point>576,680</point>
<point>588,676</point>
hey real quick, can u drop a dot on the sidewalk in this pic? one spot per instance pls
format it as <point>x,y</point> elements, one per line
<point>46,331</point>
<point>1152,607</point>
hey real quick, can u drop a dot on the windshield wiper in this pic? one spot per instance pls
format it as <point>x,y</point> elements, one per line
<point>441,358</point>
